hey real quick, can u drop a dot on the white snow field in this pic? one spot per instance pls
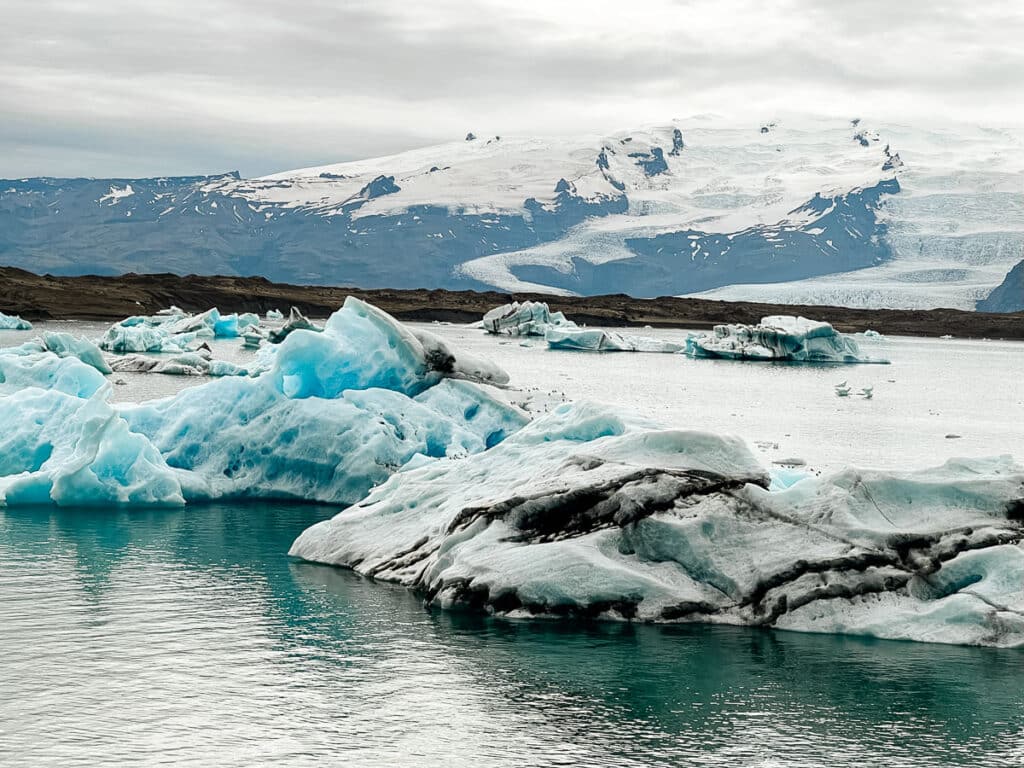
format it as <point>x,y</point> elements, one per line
<point>480,485</point>
<point>955,228</point>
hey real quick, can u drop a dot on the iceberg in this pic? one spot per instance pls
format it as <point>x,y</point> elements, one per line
<point>274,314</point>
<point>172,330</point>
<point>136,337</point>
<point>598,340</point>
<point>779,337</point>
<point>58,448</point>
<point>66,345</point>
<point>335,414</point>
<point>296,322</point>
<point>13,323</point>
<point>587,514</point>
<point>187,364</point>
<point>530,318</point>
<point>30,367</point>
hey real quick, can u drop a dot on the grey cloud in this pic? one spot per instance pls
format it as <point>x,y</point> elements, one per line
<point>188,87</point>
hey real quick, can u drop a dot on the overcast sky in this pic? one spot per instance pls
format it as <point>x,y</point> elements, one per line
<point>160,87</point>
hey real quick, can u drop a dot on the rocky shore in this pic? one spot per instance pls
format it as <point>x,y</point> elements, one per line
<point>96,297</point>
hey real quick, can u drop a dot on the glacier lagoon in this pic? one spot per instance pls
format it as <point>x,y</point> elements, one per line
<point>186,636</point>
<point>651,389</point>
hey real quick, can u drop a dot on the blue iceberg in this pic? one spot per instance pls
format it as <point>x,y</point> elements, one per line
<point>334,414</point>
<point>13,323</point>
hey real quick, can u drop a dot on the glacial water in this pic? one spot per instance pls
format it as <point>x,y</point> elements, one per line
<point>190,638</point>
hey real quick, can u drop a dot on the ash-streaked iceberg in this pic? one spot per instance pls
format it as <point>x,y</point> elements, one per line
<point>529,318</point>
<point>779,337</point>
<point>13,323</point>
<point>599,340</point>
<point>185,364</point>
<point>296,322</point>
<point>586,514</point>
<point>335,414</point>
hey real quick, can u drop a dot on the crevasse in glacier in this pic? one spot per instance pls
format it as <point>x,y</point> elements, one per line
<point>779,337</point>
<point>622,520</point>
<point>336,413</point>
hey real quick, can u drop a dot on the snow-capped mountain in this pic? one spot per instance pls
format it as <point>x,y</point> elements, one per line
<point>799,211</point>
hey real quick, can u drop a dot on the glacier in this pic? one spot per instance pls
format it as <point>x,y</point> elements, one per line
<point>780,338</point>
<point>529,318</point>
<point>585,513</point>
<point>600,340</point>
<point>334,414</point>
<point>816,210</point>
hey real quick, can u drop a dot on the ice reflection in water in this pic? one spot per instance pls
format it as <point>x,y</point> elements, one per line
<point>188,637</point>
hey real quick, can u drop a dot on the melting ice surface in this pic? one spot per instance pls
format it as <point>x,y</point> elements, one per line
<point>586,511</point>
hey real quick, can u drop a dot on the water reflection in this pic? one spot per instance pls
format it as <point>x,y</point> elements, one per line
<point>189,636</point>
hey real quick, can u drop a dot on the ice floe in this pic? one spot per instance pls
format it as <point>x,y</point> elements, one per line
<point>599,340</point>
<point>779,337</point>
<point>585,514</point>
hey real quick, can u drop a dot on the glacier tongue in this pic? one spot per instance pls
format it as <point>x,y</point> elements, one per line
<point>584,513</point>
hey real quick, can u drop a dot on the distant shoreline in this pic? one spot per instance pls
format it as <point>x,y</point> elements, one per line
<point>93,297</point>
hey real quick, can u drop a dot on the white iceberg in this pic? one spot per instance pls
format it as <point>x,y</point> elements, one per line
<point>584,514</point>
<point>66,345</point>
<point>172,330</point>
<point>336,413</point>
<point>530,318</point>
<point>27,366</point>
<point>274,314</point>
<point>779,337</point>
<point>598,340</point>
<point>13,323</point>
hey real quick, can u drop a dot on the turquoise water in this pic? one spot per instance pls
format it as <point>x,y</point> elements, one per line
<point>190,638</point>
